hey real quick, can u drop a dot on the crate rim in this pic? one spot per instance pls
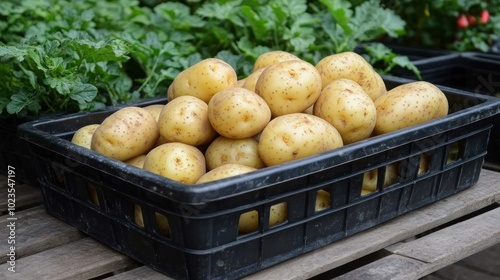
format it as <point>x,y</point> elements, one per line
<point>237,185</point>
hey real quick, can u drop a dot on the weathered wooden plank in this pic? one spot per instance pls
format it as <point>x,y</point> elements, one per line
<point>82,259</point>
<point>34,231</point>
<point>487,260</point>
<point>3,181</point>
<point>341,252</point>
<point>24,195</point>
<point>392,267</point>
<point>460,272</point>
<point>455,242</point>
<point>434,251</point>
<point>143,273</point>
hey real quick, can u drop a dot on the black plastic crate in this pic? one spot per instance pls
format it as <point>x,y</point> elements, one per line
<point>420,57</point>
<point>203,240</point>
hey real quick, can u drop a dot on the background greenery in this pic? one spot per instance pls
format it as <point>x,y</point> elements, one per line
<point>64,55</point>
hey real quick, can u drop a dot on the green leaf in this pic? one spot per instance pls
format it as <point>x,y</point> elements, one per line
<point>83,94</point>
<point>18,102</point>
<point>12,52</point>
<point>341,11</point>
<point>101,51</point>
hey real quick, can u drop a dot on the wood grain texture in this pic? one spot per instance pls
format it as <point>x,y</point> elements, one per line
<point>25,195</point>
<point>35,231</point>
<point>82,259</point>
<point>143,273</point>
<point>434,251</point>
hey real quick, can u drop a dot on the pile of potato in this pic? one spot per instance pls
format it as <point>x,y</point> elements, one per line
<point>286,109</point>
<point>215,126</point>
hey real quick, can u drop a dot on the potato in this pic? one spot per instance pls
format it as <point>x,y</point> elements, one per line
<point>240,82</point>
<point>345,105</point>
<point>353,66</point>
<point>295,136</point>
<point>83,136</point>
<point>241,151</point>
<point>249,221</point>
<point>370,178</point>
<point>127,133</point>
<point>323,200</point>
<point>203,79</point>
<point>408,105</point>
<point>238,113</point>
<point>289,86</point>
<point>224,171</point>
<point>137,161</point>
<point>154,110</point>
<point>161,221</point>
<point>252,79</point>
<point>185,120</point>
<point>272,57</point>
<point>177,161</point>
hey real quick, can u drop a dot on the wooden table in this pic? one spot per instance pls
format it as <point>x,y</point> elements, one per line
<point>408,247</point>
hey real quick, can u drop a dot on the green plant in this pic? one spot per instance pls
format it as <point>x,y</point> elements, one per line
<point>449,24</point>
<point>63,55</point>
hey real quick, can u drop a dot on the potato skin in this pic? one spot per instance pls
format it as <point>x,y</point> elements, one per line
<point>272,57</point>
<point>345,105</point>
<point>295,136</point>
<point>185,120</point>
<point>408,105</point>
<point>252,79</point>
<point>249,221</point>
<point>203,79</point>
<point>289,86</point>
<point>224,171</point>
<point>128,132</point>
<point>353,66</point>
<point>177,161</point>
<point>155,110</point>
<point>240,151</point>
<point>137,161</point>
<point>83,136</point>
<point>238,113</point>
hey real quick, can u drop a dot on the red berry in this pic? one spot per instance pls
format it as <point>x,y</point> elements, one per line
<point>462,22</point>
<point>471,19</point>
<point>484,16</point>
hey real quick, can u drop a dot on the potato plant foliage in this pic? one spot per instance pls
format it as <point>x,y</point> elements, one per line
<point>62,55</point>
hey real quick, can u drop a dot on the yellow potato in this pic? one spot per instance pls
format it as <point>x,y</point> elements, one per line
<point>204,79</point>
<point>295,136</point>
<point>252,79</point>
<point>161,221</point>
<point>154,110</point>
<point>249,221</point>
<point>323,200</point>
<point>353,66</point>
<point>345,105</point>
<point>127,133</point>
<point>240,82</point>
<point>224,171</point>
<point>289,86</point>
<point>177,161</point>
<point>370,178</point>
<point>185,120</point>
<point>408,105</point>
<point>83,136</point>
<point>238,113</point>
<point>137,161</point>
<point>272,57</point>
<point>241,151</point>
